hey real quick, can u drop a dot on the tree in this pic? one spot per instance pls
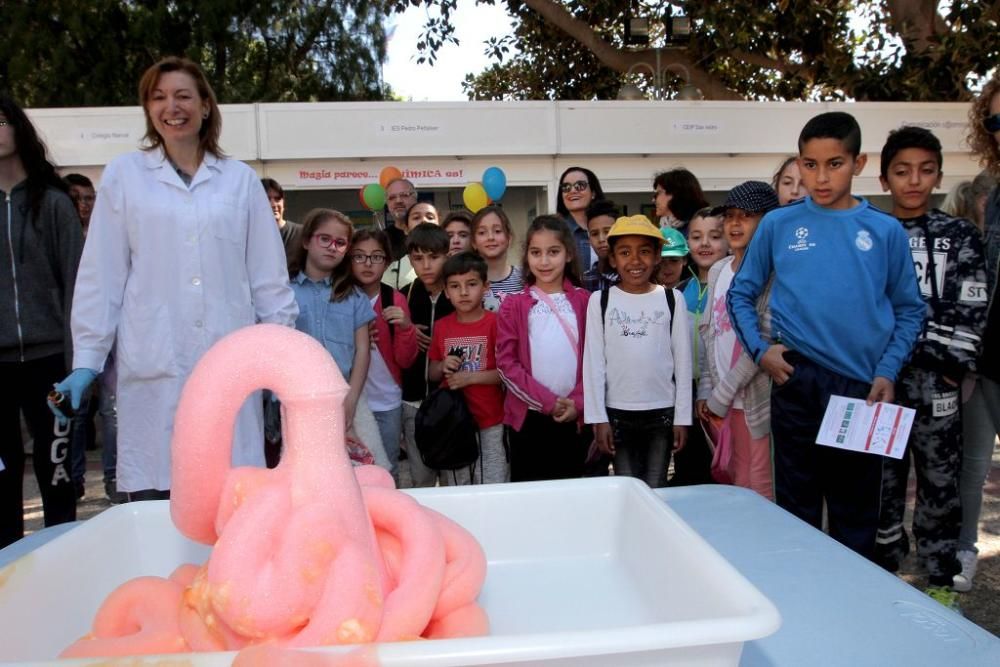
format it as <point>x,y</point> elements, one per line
<point>743,49</point>
<point>70,53</point>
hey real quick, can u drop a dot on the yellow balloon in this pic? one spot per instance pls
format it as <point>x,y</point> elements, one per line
<point>475,197</point>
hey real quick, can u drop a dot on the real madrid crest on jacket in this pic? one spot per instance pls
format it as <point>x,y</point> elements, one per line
<point>951,271</point>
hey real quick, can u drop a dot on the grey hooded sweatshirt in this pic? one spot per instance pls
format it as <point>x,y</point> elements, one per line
<point>38,263</point>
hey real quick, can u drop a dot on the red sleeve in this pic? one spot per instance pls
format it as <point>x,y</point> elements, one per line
<point>436,351</point>
<point>404,350</point>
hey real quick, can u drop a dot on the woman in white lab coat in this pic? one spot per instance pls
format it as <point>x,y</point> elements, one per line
<point>182,250</point>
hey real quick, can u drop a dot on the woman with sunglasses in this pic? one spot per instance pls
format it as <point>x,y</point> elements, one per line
<point>578,188</point>
<point>981,413</point>
<point>182,250</point>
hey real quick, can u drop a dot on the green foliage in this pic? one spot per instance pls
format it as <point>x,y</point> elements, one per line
<point>72,53</point>
<point>756,49</point>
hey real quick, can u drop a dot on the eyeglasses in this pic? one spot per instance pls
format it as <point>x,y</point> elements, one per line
<point>579,186</point>
<point>992,123</point>
<point>375,259</point>
<point>401,195</point>
<point>325,241</point>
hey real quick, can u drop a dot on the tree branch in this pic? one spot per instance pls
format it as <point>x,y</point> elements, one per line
<point>917,22</point>
<point>620,60</point>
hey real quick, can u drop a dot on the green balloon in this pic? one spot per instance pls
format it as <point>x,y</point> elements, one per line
<point>374,196</point>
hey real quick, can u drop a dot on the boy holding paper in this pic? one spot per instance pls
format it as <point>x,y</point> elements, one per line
<point>845,313</point>
<point>951,272</point>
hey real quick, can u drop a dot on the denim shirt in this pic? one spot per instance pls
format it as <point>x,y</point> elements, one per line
<point>332,323</point>
<point>584,252</point>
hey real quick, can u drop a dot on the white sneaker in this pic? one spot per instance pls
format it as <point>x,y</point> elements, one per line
<point>962,581</point>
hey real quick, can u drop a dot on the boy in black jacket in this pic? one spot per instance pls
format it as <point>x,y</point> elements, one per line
<point>948,257</point>
<point>427,246</point>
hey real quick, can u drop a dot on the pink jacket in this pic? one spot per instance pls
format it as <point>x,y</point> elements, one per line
<point>400,349</point>
<point>514,356</point>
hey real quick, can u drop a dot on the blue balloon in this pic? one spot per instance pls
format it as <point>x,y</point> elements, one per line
<point>495,183</point>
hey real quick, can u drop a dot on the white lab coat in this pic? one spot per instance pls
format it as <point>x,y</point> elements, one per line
<point>167,271</point>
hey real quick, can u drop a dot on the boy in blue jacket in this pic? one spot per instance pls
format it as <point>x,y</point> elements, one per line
<point>846,312</point>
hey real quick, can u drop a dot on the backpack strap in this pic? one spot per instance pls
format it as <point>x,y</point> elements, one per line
<point>604,304</point>
<point>669,292</point>
<point>385,297</point>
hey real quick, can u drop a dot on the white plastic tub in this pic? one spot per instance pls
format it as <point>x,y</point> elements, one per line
<point>581,572</point>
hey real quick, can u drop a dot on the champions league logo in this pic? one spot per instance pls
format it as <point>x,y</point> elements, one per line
<point>801,240</point>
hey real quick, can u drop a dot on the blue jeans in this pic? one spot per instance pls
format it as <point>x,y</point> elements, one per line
<point>643,441</point>
<point>981,424</point>
<point>390,424</point>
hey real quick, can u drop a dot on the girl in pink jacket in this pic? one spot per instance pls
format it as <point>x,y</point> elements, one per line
<point>539,356</point>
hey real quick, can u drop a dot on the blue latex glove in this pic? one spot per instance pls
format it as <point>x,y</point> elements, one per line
<point>74,386</point>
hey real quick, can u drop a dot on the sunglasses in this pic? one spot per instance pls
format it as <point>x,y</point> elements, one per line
<point>579,186</point>
<point>992,123</point>
<point>325,241</point>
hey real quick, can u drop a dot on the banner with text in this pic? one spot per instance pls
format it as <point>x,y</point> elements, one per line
<point>365,173</point>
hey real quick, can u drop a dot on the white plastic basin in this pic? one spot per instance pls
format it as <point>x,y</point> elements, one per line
<point>581,572</point>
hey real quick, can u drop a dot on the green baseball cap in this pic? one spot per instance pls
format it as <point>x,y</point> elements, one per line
<point>674,243</point>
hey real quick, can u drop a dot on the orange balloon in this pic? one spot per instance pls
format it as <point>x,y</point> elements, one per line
<point>388,175</point>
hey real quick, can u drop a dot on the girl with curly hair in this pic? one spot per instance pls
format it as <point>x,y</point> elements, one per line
<point>981,418</point>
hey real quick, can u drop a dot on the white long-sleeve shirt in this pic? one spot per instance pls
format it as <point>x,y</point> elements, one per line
<point>638,357</point>
<point>167,270</point>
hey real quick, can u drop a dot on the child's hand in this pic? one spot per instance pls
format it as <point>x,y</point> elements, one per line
<point>773,363</point>
<point>603,438</point>
<point>701,409</point>
<point>565,411</point>
<point>373,334</point>
<point>396,315</point>
<point>883,390</point>
<point>423,340</point>
<point>680,437</point>
<point>460,379</point>
<point>450,365</point>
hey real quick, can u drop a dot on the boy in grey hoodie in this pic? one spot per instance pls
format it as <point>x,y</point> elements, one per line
<point>40,245</point>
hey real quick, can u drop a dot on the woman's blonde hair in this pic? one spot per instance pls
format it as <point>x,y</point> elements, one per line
<point>981,141</point>
<point>211,127</point>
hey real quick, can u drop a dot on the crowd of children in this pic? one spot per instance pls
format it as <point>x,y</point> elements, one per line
<point>715,338</point>
<point>708,344</point>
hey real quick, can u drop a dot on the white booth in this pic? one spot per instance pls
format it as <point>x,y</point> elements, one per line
<point>323,153</point>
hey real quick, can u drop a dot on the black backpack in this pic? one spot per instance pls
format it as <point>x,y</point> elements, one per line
<point>446,432</point>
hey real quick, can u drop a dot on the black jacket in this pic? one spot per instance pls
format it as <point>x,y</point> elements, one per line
<point>416,386</point>
<point>951,271</point>
<point>989,362</point>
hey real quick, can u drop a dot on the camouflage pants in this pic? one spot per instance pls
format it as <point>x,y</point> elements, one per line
<point>936,449</point>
